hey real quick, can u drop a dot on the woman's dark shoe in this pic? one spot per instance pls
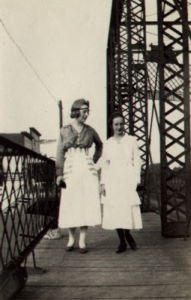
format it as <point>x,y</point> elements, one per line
<point>69,248</point>
<point>131,241</point>
<point>121,248</point>
<point>83,250</point>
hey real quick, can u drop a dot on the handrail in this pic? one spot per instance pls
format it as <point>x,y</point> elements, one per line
<point>21,148</point>
<point>30,197</point>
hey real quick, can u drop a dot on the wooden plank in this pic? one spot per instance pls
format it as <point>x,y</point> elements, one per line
<point>107,292</point>
<point>108,258</point>
<point>159,269</point>
<point>81,277</point>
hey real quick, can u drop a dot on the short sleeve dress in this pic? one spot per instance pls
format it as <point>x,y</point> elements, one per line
<point>121,174</point>
<point>80,201</point>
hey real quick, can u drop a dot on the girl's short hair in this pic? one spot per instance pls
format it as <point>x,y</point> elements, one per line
<point>114,115</point>
<point>75,109</point>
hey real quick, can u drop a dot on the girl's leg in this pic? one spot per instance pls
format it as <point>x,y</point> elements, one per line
<point>130,239</point>
<point>122,246</point>
<point>82,238</point>
<point>71,237</point>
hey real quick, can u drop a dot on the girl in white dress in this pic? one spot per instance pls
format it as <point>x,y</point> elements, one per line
<point>119,178</point>
<point>80,203</point>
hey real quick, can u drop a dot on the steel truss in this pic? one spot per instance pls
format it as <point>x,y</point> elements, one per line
<point>175,115</point>
<point>132,75</point>
<point>127,74</point>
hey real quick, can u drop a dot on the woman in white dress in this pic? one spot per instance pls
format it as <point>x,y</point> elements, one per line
<point>80,202</point>
<point>119,178</point>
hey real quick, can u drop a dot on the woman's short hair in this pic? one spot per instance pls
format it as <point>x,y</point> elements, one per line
<point>75,109</point>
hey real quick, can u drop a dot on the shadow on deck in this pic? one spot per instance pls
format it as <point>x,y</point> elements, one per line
<point>159,269</point>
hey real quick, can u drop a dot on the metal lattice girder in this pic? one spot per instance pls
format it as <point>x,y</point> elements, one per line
<point>28,195</point>
<point>137,79</point>
<point>174,115</point>
<point>127,74</point>
<point>114,60</point>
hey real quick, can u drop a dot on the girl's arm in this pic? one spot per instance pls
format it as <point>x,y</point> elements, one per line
<point>137,161</point>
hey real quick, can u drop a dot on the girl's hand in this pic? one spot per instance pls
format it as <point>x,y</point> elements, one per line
<point>102,190</point>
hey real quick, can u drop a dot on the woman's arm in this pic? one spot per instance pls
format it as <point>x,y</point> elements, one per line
<point>60,154</point>
<point>103,162</point>
<point>98,146</point>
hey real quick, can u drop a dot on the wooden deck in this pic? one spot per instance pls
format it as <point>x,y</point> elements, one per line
<point>159,269</point>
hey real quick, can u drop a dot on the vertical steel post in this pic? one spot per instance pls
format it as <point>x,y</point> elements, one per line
<point>173,36</point>
<point>60,114</point>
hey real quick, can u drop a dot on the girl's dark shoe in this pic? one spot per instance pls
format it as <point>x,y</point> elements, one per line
<point>69,248</point>
<point>83,250</point>
<point>121,248</point>
<point>130,241</point>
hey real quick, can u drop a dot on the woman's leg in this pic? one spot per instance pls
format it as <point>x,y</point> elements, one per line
<point>82,238</point>
<point>71,237</point>
<point>130,239</point>
<point>122,246</point>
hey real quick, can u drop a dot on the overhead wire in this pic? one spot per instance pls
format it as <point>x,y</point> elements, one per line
<point>27,60</point>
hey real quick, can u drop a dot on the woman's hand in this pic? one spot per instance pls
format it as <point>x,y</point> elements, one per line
<point>59,179</point>
<point>102,190</point>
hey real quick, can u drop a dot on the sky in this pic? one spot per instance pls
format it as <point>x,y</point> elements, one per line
<point>55,50</point>
<point>65,42</point>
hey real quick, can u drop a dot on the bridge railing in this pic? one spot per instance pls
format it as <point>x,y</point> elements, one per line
<point>28,201</point>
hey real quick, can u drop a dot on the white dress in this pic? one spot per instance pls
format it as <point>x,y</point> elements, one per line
<point>121,174</point>
<point>80,201</point>
<point>80,204</point>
